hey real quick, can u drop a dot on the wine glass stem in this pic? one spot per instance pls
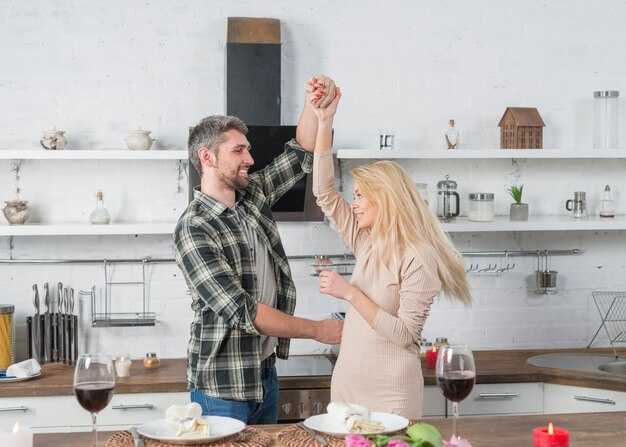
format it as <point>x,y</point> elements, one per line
<point>455,420</point>
<point>94,436</point>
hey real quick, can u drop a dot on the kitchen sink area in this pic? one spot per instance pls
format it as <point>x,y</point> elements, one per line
<point>592,363</point>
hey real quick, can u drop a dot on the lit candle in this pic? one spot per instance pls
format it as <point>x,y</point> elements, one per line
<point>431,358</point>
<point>550,437</point>
<point>18,437</point>
<point>122,366</point>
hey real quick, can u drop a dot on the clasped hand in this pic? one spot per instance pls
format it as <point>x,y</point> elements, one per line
<point>323,95</point>
<point>332,283</point>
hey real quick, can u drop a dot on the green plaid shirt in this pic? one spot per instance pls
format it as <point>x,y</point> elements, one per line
<point>224,351</point>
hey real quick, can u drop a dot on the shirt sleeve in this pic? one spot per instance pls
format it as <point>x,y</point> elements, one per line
<point>419,284</point>
<point>283,173</point>
<point>211,280</point>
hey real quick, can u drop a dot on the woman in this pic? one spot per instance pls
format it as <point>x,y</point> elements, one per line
<point>403,260</point>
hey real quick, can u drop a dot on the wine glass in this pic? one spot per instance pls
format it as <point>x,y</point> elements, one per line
<point>94,381</point>
<point>456,374</point>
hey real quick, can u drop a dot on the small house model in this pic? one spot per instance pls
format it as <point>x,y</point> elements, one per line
<point>521,128</point>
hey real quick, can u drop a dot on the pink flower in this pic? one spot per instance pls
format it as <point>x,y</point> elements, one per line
<point>356,441</point>
<point>397,443</point>
<point>457,442</point>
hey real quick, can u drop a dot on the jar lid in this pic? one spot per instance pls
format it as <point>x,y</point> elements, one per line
<point>481,196</point>
<point>426,343</point>
<point>440,339</point>
<point>7,308</point>
<point>151,355</point>
<point>447,183</point>
<point>606,94</point>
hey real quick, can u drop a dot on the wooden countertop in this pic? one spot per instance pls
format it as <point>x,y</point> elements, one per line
<point>586,430</point>
<point>493,366</point>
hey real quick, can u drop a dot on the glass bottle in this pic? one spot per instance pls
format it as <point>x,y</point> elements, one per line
<point>605,119</point>
<point>607,206</point>
<point>451,137</point>
<point>100,215</point>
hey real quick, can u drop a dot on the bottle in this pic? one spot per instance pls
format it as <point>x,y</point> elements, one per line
<point>607,206</point>
<point>605,119</point>
<point>100,215</point>
<point>451,137</point>
<point>151,361</point>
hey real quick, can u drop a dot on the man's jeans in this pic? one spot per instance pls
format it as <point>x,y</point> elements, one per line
<point>251,413</point>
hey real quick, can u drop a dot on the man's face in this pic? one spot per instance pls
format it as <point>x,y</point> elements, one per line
<point>233,159</point>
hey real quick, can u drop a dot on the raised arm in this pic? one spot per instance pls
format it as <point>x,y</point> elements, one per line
<point>320,92</point>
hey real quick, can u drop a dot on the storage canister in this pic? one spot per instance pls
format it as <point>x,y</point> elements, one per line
<point>422,188</point>
<point>7,336</point>
<point>605,119</point>
<point>481,206</point>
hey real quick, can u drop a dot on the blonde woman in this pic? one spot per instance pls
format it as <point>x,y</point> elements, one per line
<point>403,260</point>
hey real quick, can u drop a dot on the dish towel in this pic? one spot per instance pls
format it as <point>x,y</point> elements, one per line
<point>27,368</point>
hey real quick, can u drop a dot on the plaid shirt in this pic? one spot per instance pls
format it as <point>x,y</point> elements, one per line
<point>224,351</point>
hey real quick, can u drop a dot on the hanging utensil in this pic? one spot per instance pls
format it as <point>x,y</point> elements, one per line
<point>72,330</point>
<point>36,328</point>
<point>47,326</point>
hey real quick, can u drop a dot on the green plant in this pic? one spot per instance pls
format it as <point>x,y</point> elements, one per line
<point>516,192</point>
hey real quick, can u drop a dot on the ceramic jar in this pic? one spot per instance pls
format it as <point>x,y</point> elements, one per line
<point>16,211</point>
<point>53,140</point>
<point>139,140</point>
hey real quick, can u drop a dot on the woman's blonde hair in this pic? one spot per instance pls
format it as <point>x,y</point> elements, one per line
<point>404,221</point>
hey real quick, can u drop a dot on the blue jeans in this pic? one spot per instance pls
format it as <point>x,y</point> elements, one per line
<point>250,412</point>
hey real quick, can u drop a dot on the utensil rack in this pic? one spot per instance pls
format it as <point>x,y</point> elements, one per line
<point>612,309</point>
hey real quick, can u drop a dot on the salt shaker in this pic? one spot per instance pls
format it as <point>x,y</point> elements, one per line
<point>607,206</point>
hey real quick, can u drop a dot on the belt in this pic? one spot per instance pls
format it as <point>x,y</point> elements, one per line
<point>269,362</point>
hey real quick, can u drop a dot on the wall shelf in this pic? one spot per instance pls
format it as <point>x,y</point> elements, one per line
<point>537,223</point>
<point>99,154</point>
<point>442,154</point>
<point>78,229</point>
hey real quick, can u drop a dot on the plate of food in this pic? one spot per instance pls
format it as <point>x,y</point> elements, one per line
<point>169,432</point>
<point>4,378</point>
<point>351,419</point>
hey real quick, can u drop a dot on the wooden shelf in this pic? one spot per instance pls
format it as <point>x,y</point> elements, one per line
<point>537,223</point>
<point>99,154</point>
<point>77,229</point>
<point>480,153</point>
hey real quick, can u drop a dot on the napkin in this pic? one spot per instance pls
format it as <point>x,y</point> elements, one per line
<point>27,368</point>
<point>354,417</point>
<point>188,420</point>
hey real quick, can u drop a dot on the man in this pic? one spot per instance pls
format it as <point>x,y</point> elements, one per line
<point>229,250</point>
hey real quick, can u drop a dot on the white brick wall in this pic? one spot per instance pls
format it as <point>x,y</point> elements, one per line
<point>99,69</point>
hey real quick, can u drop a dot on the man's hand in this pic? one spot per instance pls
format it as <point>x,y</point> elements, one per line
<point>329,331</point>
<point>320,91</point>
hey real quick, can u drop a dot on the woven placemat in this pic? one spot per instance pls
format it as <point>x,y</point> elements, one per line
<point>294,436</point>
<point>248,437</point>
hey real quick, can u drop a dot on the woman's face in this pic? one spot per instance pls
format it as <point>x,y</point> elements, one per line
<point>364,210</point>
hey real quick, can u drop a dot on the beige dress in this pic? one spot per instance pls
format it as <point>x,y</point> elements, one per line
<point>379,365</point>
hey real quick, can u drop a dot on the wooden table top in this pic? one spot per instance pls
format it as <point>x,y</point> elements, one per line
<point>586,430</point>
<point>493,366</point>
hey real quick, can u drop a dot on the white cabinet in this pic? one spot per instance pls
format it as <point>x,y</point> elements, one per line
<point>503,398</point>
<point>126,410</point>
<point>433,402</point>
<point>574,399</point>
<point>44,414</point>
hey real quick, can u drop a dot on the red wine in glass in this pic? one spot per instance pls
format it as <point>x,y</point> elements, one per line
<point>456,385</point>
<point>94,396</point>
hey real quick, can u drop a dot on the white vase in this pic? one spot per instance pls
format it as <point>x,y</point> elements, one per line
<point>139,140</point>
<point>53,140</point>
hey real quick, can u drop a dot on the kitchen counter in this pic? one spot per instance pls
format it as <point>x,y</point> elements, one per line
<point>493,366</point>
<point>586,430</point>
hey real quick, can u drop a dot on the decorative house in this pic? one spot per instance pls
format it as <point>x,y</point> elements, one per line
<point>521,128</point>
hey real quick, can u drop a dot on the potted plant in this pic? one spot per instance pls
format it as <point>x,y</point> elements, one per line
<point>519,210</point>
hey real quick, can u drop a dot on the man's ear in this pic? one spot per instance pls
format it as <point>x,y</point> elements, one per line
<point>207,157</point>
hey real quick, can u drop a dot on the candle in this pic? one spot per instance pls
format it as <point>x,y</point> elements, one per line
<point>550,437</point>
<point>431,358</point>
<point>122,366</point>
<point>18,437</point>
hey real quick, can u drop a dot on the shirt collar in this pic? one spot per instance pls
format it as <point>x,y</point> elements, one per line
<point>214,206</point>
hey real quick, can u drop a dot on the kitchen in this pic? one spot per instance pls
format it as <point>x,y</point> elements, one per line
<point>100,70</point>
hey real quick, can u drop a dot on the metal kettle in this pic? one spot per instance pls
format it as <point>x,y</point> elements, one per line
<point>448,203</point>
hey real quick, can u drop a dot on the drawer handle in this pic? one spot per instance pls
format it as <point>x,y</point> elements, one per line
<point>20,408</point>
<point>497,395</point>
<point>133,407</point>
<point>595,399</point>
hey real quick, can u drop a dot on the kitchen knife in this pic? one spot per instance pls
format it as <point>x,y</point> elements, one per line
<point>36,325</point>
<point>313,434</point>
<point>136,438</point>
<point>47,327</point>
<point>71,329</point>
<point>29,333</point>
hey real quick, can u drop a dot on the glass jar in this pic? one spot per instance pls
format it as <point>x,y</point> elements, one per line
<point>422,188</point>
<point>607,205</point>
<point>481,206</point>
<point>151,361</point>
<point>605,119</point>
<point>7,336</point>
<point>441,341</point>
<point>424,348</point>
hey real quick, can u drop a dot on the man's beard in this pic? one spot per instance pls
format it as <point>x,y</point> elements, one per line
<point>233,181</point>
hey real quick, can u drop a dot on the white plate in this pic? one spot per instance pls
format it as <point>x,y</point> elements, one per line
<point>328,424</point>
<point>165,431</point>
<point>18,379</point>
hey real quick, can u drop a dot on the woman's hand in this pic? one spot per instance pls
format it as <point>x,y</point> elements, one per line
<point>320,91</point>
<point>332,283</point>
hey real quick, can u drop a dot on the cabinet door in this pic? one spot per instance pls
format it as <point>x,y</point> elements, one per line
<point>575,399</point>
<point>126,410</point>
<point>43,414</point>
<point>433,403</point>
<point>503,398</point>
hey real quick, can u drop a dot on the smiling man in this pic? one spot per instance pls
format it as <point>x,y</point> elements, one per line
<point>230,252</point>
